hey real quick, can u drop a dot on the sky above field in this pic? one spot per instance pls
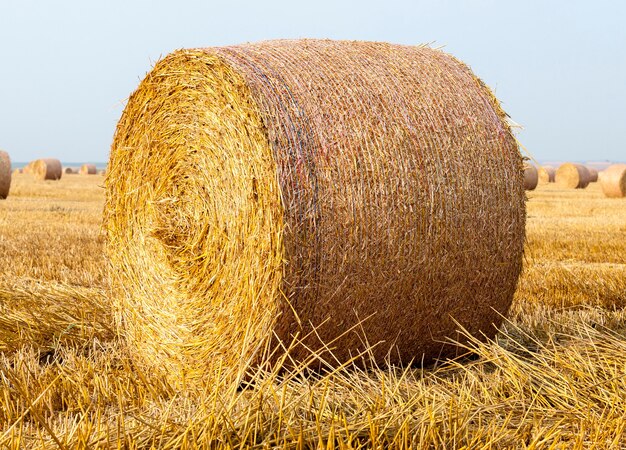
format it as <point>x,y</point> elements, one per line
<point>66,67</point>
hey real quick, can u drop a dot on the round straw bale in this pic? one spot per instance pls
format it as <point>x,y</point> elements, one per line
<point>546,174</point>
<point>17,171</point>
<point>572,176</point>
<point>5,174</point>
<point>613,180</point>
<point>531,177</point>
<point>70,171</point>
<point>88,169</point>
<point>47,169</point>
<point>308,193</point>
<point>593,174</point>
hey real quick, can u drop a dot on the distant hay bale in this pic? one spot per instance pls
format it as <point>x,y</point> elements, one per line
<point>17,171</point>
<point>28,168</point>
<point>5,174</point>
<point>70,171</point>
<point>593,174</point>
<point>531,177</point>
<point>613,181</point>
<point>572,176</point>
<point>546,174</point>
<point>103,172</point>
<point>321,191</point>
<point>88,169</point>
<point>47,169</point>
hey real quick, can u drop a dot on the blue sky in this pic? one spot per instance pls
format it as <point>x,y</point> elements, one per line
<point>66,67</point>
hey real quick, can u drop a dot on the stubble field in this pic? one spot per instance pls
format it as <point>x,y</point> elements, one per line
<point>555,376</point>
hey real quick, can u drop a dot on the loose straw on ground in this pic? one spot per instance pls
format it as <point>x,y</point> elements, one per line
<point>5,174</point>
<point>323,192</point>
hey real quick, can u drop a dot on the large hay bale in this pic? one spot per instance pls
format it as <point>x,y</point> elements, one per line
<point>546,174</point>
<point>572,176</point>
<point>5,174</point>
<point>593,174</point>
<point>88,169</point>
<point>531,177</point>
<point>47,169</point>
<point>296,188</point>
<point>613,180</point>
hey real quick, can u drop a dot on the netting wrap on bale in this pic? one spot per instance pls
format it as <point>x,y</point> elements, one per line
<point>613,181</point>
<point>46,169</point>
<point>88,169</point>
<point>531,177</point>
<point>546,174</point>
<point>572,176</point>
<point>5,174</point>
<point>319,191</point>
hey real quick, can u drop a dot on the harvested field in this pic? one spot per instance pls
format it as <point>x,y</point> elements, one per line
<point>554,376</point>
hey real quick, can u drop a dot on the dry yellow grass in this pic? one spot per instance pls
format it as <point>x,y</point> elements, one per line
<point>554,377</point>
